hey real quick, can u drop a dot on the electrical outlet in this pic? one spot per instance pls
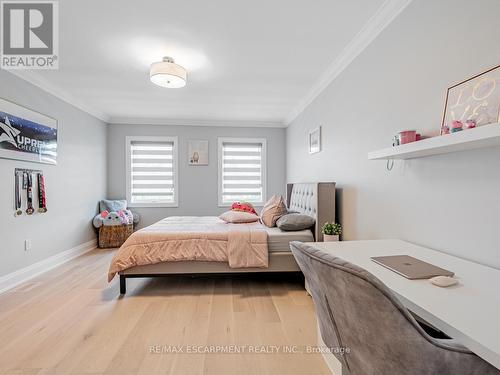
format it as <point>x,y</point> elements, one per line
<point>27,245</point>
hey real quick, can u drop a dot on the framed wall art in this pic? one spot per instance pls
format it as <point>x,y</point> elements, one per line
<point>476,99</point>
<point>27,135</point>
<point>197,152</point>
<point>315,140</point>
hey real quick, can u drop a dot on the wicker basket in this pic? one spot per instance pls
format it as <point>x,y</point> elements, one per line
<point>114,235</point>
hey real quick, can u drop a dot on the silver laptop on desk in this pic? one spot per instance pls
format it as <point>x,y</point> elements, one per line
<point>410,267</point>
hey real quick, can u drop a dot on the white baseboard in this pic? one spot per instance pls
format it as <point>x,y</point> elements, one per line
<point>15,278</point>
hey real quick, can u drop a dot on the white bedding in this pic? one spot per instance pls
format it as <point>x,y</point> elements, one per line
<point>278,240</point>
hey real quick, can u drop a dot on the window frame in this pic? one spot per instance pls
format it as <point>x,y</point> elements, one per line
<point>128,169</point>
<point>263,167</point>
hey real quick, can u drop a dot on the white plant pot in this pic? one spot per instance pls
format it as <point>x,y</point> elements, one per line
<point>330,237</point>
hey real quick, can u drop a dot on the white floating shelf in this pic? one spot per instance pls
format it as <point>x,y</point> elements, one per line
<point>480,137</point>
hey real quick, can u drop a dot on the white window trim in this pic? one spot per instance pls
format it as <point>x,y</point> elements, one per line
<point>263,141</point>
<point>175,152</point>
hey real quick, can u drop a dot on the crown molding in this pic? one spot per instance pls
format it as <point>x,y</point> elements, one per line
<point>40,82</point>
<point>387,12</point>
<point>194,122</point>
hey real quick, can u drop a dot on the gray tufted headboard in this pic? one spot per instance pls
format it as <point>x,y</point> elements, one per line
<point>313,199</point>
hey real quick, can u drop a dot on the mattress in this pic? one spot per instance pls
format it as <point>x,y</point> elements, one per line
<point>279,240</point>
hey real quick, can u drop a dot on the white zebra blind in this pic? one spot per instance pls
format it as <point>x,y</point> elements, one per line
<point>152,172</point>
<point>242,171</point>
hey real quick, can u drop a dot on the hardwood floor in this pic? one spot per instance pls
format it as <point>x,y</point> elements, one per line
<point>71,321</point>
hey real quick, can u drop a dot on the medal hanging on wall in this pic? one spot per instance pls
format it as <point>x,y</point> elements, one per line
<point>24,180</point>
<point>17,197</point>
<point>29,194</point>
<point>42,201</point>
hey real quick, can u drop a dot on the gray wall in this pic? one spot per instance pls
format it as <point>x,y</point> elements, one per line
<point>74,185</point>
<point>449,202</point>
<point>197,184</point>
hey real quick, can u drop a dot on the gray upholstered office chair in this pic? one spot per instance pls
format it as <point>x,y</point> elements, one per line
<point>358,313</point>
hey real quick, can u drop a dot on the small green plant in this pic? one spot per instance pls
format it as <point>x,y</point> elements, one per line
<point>331,229</point>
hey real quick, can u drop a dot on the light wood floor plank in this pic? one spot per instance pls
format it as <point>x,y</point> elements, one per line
<point>71,321</point>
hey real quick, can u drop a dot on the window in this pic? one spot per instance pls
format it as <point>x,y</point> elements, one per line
<point>242,170</point>
<point>152,171</point>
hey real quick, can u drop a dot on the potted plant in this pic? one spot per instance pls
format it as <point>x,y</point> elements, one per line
<point>331,231</point>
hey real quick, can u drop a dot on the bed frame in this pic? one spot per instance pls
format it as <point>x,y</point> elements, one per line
<point>314,199</point>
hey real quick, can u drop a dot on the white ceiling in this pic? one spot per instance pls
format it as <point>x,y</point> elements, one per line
<point>253,61</point>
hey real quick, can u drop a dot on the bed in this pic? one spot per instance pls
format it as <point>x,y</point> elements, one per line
<point>314,199</point>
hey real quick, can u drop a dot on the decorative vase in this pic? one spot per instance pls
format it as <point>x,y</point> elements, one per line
<point>330,237</point>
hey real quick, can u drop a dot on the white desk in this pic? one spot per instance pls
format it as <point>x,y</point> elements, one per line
<point>468,312</point>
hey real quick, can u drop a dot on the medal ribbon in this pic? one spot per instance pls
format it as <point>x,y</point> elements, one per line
<point>18,196</point>
<point>42,202</point>
<point>29,193</point>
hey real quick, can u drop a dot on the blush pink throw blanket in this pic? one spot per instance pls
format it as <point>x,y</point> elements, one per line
<point>180,238</point>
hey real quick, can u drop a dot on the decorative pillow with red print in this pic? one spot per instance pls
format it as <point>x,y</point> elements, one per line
<point>243,206</point>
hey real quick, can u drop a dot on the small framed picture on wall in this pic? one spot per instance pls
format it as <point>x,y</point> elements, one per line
<point>197,152</point>
<point>315,140</point>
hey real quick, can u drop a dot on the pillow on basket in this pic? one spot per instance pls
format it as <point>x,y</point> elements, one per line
<point>273,210</point>
<point>112,205</point>
<point>238,217</point>
<point>295,221</point>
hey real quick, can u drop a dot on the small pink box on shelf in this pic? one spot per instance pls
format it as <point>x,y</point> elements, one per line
<point>407,136</point>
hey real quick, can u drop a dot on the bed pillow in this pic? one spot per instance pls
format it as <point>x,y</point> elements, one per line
<point>238,217</point>
<point>294,222</point>
<point>243,206</point>
<point>272,211</point>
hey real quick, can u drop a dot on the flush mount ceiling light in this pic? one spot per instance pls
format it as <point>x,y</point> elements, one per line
<point>166,73</point>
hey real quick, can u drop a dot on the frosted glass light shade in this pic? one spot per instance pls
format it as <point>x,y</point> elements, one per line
<point>166,73</point>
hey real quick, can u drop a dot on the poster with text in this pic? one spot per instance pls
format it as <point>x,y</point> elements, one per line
<point>27,135</point>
